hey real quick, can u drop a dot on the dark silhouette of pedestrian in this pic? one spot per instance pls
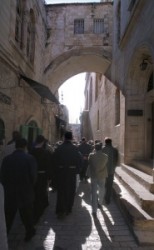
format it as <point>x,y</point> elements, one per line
<point>85,149</point>
<point>10,147</point>
<point>112,154</point>
<point>18,176</point>
<point>66,159</point>
<point>43,158</point>
<point>3,235</point>
<point>15,135</point>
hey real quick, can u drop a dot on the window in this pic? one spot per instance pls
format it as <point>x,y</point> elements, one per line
<point>118,21</point>
<point>98,120</point>
<point>117,107</point>
<point>98,77</point>
<point>28,39</point>
<point>87,101</point>
<point>98,27</point>
<point>30,46</point>
<point>19,23</point>
<point>90,94</point>
<point>96,89</point>
<point>79,26</point>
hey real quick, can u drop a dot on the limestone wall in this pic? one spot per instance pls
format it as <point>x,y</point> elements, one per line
<point>135,44</point>
<point>60,24</point>
<point>103,109</point>
<point>24,103</point>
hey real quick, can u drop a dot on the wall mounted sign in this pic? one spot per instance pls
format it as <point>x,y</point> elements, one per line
<point>135,112</point>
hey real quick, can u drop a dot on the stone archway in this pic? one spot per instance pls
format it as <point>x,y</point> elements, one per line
<point>138,136</point>
<point>74,62</point>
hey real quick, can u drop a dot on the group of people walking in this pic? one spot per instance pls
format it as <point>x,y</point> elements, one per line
<point>26,177</point>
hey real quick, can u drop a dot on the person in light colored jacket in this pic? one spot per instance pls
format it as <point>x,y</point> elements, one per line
<point>97,171</point>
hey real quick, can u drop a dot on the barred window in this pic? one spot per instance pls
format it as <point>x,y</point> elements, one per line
<point>79,26</point>
<point>98,27</point>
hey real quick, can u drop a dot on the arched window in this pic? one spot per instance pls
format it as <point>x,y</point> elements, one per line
<point>19,22</point>
<point>30,46</point>
<point>150,83</point>
<point>2,131</point>
<point>117,107</point>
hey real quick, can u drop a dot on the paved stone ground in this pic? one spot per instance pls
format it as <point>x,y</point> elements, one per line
<point>78,231</point>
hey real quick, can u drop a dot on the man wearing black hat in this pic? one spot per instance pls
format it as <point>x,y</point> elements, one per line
<point>67,160</point>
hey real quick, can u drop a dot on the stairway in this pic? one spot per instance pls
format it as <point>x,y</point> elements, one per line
<point>134,190</point>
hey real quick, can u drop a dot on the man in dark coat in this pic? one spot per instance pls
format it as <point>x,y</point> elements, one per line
<point>67,160</point>
<point>44,161</point>
<point>18,176</point>
<point>112,154</point>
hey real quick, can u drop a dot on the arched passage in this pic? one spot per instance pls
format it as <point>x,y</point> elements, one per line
<point>74,62</point>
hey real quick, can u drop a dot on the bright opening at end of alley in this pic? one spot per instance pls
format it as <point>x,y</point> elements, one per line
<point>71,94</point>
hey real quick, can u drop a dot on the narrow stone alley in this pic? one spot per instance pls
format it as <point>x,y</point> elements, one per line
<point>78,231</point>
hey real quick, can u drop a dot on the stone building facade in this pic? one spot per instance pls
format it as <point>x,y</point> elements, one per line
<point>22,45</point>
<point>121,102</point>
<point>41,46</point>
<point>79,40</point>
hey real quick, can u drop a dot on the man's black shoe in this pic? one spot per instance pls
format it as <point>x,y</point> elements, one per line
<point>29,235</point>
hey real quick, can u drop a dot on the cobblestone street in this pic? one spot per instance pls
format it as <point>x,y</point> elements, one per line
<point>78,231</point>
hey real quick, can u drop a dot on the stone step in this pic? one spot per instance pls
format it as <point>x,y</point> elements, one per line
<point>139,221</point>
<point>144,166</point>
<point>145,179</point>
<point>141,195</point>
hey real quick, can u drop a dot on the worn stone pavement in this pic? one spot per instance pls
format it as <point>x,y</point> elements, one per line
<point>78,231</point>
